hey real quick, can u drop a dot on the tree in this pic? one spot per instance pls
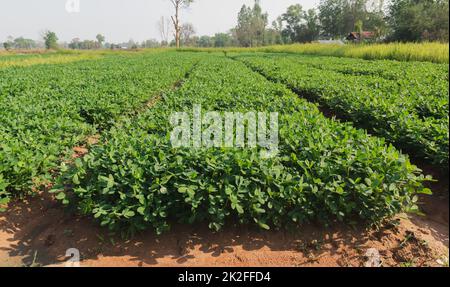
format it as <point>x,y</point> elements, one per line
<point>186,33</point>
<point>377,20</point>
<point>75,44</point>
<point>277,27</point>
<point>51,40</point>
<point>222,40</point>
<point>301,26</point>
<point>331,15</point>
<point>419,20</point>
<point>340,17</point>
<point>310,30</point>
<point>19,43</point>
<point>359,28</point>
<point>100,39</point>
<point>7,46</point>
<point>178,5</point>
<point>205,41</point>
<point>272,37</point>
<point>151,43</point>
<point>251,27</point>
<point>259,24</point>
<point>131,44</point>
<point>293,19</point>
<point>164,30</point>
<point>243,28</point>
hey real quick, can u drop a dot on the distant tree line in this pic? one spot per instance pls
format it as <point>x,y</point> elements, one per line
<point>397,20</point>
<point>50,41</point>
<point>87,44</point>
<point>19,43</point>
<point>418,20</point>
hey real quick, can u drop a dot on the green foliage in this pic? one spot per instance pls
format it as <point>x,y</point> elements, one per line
<point>134,179</point>
<point>7,46</point>
<point>100,39</point>
<point>419,20</point>
<point>301,26</point>
<point>46,110</point>
<point>405,103</point>
<point>325,171</point>
<point>340,17</point>
<point>222,40</point>
<point>51,40</point>
<point>85,44</point>
<point>19,43</point>
<point>251,26</point>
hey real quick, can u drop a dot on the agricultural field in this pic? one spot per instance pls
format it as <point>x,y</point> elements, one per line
<point>405,103</point>
<point>427,52</point>
<point>93,132</point>
<point>24,60</point>
<point>46,110</point>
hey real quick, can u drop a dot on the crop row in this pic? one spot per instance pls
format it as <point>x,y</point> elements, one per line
<point>424,84</point>
<point>385,107</point>
<point>46,110</point>
<point>325,170</point>
<point>421,72</point>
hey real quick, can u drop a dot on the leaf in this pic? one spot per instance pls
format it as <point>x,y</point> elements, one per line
<point>141,210</point>
<point>75,179</point>
<point>5,200</point>
<point>182,189</point>
<point>239,209</point>
<point>128,214</point>
<point>426,191</point>
<point>263,226</point>
<point>110,182</point>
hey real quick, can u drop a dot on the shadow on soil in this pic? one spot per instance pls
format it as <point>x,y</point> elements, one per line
<point>38,233</point>
<point>42,226</point>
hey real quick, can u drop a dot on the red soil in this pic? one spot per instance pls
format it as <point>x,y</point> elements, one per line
<point>37,232</point>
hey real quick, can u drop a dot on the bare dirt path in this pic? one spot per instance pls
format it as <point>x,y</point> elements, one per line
<point>38,232</point>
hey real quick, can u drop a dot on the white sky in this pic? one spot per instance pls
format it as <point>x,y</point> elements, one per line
<point>122,20</point>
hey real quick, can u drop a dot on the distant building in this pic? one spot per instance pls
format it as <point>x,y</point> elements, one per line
<point>357,37</point>
<point>331,42</point>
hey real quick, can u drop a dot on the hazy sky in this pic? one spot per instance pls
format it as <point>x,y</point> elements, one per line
<point>122,20</point>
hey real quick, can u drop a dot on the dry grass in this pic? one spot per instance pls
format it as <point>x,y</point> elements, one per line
<point>37,59</point>
<point>425,52</point>
<point>23,58</point>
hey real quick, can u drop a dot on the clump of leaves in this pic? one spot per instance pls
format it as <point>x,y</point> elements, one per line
<point>46,110</point>
<point>325,170</point>
<point>405,103</point>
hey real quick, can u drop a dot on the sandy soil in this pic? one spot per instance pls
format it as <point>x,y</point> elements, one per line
<point>38,232</point>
